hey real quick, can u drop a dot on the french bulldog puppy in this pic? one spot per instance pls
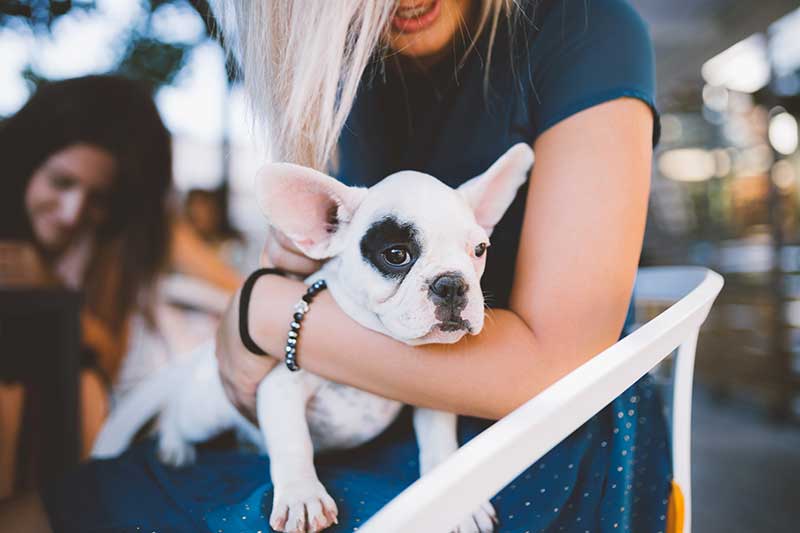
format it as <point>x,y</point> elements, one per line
<point>404,258</point>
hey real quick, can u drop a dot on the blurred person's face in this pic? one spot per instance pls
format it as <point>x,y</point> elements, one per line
<point>424,28</point>
<point>68,194</point>
<point>203,215</point>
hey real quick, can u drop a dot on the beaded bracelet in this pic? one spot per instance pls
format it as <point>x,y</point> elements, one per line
<point>300,310</point>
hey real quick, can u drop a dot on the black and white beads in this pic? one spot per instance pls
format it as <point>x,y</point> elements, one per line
<point>300,310</point>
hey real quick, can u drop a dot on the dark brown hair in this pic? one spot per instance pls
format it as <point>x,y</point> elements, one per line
<point>118,115</point>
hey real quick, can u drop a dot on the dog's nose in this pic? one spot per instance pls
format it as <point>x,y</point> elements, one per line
<point>449,286</point>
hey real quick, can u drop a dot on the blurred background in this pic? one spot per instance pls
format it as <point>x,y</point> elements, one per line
<point>167,43</point>
<point>726,193</point>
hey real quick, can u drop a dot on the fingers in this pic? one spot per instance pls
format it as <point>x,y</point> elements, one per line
<point>280,252</point>
<point>240,371</point>
<point>284,241</point>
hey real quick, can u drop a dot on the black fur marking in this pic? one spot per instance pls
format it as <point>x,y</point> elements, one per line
<point>385,234</point>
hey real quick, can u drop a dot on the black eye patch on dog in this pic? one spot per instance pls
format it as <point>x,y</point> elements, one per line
<point>391,247</point>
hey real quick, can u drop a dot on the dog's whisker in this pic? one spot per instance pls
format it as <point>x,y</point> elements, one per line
<point>488,298</point>
<point>488,314</point>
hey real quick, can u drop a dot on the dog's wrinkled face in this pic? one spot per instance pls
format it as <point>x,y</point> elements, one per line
<point>415,255</point>
<point>410,251</point>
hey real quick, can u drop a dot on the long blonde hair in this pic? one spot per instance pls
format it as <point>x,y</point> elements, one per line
<point>303,60</point>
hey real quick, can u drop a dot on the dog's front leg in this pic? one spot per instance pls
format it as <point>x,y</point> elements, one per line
<point>437,437</point>
<point>300,502</point>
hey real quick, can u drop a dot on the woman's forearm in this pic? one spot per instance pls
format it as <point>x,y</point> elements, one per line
<point>486,375</point>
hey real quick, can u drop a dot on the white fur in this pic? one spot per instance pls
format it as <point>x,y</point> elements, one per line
<point>299,413</point>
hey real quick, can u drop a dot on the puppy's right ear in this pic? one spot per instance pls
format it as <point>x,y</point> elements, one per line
<point>491,193</point>
<point>309,207</point>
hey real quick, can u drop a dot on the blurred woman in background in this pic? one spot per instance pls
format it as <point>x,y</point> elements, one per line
<point>84,194</point>
<point>86,173</point>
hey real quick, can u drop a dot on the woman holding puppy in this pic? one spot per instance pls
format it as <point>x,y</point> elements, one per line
<point>364,88</point>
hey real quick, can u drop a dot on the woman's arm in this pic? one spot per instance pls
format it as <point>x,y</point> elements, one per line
<point>578,255</point>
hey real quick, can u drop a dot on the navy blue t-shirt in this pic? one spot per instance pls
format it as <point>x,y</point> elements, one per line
<point>611,475</point>
<point>560,58</point>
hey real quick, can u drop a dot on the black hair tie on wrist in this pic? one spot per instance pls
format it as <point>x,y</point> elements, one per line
<point>300,310</point>
<point>244,306</point>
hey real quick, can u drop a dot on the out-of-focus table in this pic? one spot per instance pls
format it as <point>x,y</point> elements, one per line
<point>40,346</point>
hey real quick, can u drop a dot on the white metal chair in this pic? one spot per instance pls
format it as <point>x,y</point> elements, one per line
<point>490,461</point>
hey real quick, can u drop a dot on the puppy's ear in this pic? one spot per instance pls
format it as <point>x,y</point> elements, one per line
<point>309,207</point>
<point>491,193</point>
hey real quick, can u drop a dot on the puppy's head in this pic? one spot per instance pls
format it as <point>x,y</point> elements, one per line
<point>409,250</point>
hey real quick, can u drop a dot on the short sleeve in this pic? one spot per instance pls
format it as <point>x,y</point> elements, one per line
<point>586,52</point>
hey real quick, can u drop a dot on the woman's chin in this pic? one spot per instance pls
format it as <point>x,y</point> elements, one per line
<point>419,46</point>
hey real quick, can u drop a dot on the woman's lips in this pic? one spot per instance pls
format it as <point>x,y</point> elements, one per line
<point>417,18</point>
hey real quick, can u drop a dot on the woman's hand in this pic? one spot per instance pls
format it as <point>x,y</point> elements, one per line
<point>21,266</point>
<point>240,370</point>
<point>280,252</point>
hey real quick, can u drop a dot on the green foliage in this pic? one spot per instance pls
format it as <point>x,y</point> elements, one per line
<point>39,14</point>
<point>155,62</point>
<point>144,57</point>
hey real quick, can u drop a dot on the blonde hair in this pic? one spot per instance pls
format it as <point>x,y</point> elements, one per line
<point>302,62</point>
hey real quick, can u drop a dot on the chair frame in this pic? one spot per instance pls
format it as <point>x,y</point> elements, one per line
<point>487,463</point>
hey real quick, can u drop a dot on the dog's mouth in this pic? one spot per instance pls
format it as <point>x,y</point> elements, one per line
<point>445,332</point>
<point>453,324</point>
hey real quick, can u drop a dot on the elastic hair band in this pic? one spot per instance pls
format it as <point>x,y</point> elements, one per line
<point>244,306</point>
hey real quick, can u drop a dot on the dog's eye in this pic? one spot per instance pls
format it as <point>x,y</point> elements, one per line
<point>397,256</point>
<point>480,249</point>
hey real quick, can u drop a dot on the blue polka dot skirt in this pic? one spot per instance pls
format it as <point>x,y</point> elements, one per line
<point>611,475</point>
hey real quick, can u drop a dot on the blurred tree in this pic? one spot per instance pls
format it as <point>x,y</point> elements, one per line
<point>144,56</point>
<point>39,14</point>
<point>143,53</point>
<point>152,61</point>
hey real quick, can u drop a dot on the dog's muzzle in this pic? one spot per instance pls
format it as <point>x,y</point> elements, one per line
<point>448,292</point>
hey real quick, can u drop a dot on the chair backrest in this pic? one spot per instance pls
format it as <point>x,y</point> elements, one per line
<point>483,466</point>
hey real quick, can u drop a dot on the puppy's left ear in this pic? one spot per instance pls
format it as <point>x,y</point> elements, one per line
<point>309,207</point>
<point>491,193</point>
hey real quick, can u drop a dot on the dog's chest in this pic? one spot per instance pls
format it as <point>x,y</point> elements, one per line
<point>341,417</point>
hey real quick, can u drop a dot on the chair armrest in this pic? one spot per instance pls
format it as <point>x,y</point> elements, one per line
<point>483,466</point>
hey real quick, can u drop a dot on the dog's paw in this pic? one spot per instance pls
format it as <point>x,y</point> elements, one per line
<point>481,521</point>
<point>175,452</point>
<point>302,507</point>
